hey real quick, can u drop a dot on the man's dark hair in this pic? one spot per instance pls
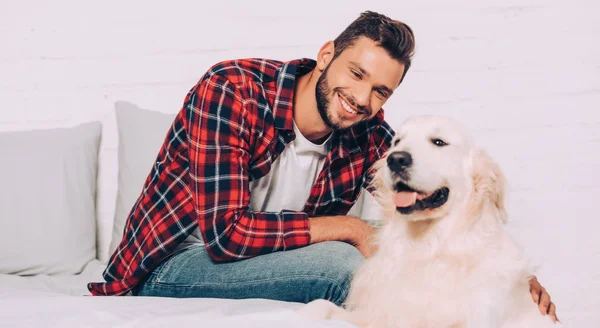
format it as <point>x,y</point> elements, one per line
<point>394,36</point>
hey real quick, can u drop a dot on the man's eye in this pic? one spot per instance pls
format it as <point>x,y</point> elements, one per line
<point>439,142</point>
<point>355,73</point>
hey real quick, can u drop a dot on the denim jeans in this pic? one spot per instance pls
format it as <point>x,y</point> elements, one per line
<point>318,271</point>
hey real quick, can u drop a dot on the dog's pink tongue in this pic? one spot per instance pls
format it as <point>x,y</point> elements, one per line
<point>405,198</point>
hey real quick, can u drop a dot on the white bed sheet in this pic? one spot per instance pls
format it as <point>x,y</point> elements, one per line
<point>64,301</point>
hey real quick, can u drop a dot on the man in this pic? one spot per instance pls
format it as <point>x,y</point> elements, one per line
<point>250,190</point>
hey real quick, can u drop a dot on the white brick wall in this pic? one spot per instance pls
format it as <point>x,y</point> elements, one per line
<point>524,75</point>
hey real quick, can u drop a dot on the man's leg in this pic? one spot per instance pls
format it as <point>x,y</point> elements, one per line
<point>318,271</point>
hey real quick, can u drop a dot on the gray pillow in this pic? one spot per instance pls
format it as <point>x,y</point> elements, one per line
<point>141,134</point>
<point>47,199</point>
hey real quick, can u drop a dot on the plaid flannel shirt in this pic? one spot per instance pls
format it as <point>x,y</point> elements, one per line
<point>232,126</point>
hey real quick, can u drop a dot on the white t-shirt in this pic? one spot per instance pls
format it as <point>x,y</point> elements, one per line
<point>292,175</point>
<point>288,184</point>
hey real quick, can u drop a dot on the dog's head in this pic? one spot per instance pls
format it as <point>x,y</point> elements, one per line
<point>433,169</point>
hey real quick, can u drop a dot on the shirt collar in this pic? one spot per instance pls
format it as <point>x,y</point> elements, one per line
<point>285,76</point>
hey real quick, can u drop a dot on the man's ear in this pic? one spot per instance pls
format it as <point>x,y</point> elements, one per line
<point>489,184</point>
<point>325,55</point>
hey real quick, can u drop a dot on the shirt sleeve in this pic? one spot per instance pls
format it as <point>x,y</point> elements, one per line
<point>219,153</point>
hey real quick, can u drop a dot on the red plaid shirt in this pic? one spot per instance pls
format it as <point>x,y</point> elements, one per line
<point>233,124</point>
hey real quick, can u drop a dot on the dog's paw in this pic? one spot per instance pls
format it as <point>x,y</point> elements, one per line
<point>319,310</point>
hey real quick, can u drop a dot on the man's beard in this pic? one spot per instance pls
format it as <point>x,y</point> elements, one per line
<point>322,93</point>
<point>322,96</point>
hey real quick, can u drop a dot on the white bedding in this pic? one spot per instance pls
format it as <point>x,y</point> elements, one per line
<point>64,301</point>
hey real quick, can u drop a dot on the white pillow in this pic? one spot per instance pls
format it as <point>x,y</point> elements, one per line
<point>47,199</point>
<point>141,134</point>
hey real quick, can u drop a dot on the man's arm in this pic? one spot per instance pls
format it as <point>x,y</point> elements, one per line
<point>542,299</point>
<point>218,134</point>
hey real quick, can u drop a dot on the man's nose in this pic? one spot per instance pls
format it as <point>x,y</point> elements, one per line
<point>362,98</point>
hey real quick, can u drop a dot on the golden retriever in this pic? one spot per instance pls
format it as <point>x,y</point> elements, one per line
<point>443,258</point>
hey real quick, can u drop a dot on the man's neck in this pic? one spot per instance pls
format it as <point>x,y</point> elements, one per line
<point>306,114</point>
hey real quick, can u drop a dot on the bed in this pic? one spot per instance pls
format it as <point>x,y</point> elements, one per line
<point>63,301</point>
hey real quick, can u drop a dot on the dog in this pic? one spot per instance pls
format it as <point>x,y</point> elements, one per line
<point>443,258</point>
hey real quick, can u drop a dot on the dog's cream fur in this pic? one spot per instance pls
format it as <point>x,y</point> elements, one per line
<point>453,266</point>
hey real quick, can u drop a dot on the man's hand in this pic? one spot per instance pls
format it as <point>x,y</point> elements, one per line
<point>348,229</point>
<point>363,238</point>
<point>542,298</point>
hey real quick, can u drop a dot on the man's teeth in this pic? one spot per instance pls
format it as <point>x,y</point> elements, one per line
<point>347,107</point>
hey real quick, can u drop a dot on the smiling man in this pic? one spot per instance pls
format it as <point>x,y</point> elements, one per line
<point>249,193</point>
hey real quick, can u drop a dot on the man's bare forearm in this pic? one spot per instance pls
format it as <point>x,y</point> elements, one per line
<point>329,228</point>
<point>349,229</point>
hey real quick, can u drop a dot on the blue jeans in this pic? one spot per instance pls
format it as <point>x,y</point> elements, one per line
<point>318,271</point>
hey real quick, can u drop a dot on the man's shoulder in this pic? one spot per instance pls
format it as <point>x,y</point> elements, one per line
<point>245,71</point>
<point>251,82</point>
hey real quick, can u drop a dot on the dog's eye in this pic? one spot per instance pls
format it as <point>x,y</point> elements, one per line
<point>439,142</point>
<point>396,142</point>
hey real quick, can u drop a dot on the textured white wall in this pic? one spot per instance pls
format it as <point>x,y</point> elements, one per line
<point>524,75</point>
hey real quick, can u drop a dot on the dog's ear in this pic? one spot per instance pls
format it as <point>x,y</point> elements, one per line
<point>489,183</point>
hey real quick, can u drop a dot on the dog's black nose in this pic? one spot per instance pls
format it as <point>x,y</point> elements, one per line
<point>399,160</point>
